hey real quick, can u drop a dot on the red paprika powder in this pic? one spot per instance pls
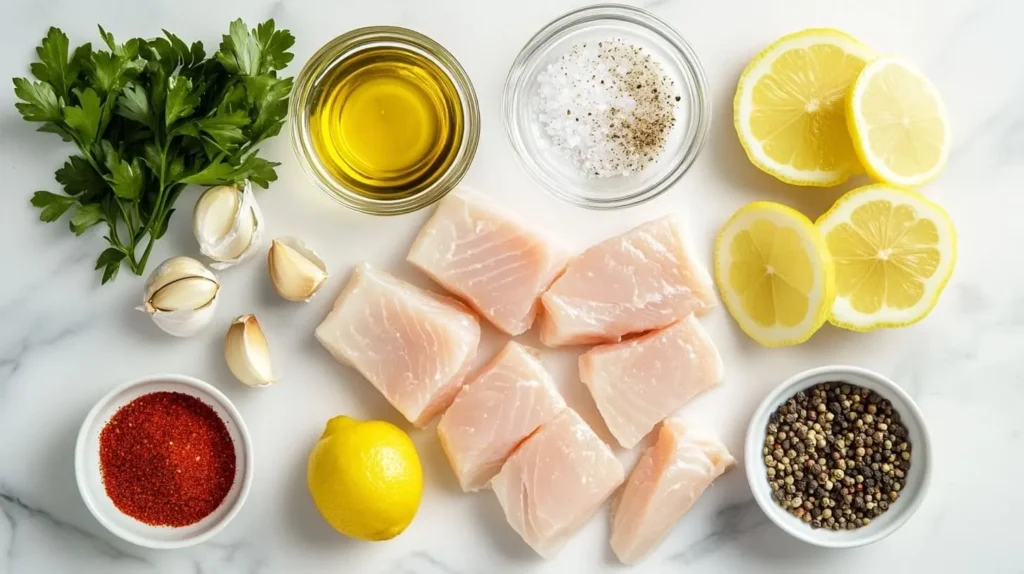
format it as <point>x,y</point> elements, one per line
<point>167,459</point>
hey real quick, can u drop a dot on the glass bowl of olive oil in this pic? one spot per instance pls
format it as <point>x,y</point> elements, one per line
<point>385,120</point>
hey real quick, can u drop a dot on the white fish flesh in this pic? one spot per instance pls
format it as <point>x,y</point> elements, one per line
<point>488,259</point>
<point>555,482</point>
<point>641,280</point>
<point>664,485</point>
<point>495,411</point>
<point>639,382</point>
<point>413,345</point>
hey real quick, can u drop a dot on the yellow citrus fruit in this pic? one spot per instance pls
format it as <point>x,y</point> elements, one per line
<point>894,252</point>
<point>774,273</point>
<point>365,478</point>
<point>789,108</point>
<point>898,123</point>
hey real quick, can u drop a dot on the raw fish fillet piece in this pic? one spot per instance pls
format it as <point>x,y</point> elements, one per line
<point>641,280</point>
<point>555,482</point>
<point>669,478</point>
<point>488,259</point>
<point>413,345</point>
<point>495,411</point>
<point>639,382</point>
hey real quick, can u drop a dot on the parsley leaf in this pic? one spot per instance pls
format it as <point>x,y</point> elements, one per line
<point>217,173</point>
<point>275,46</point>
<point>110,262</point>
<point>225,129</point>
<point>269,97</point>
<point>54,67</point>
<point>84,119</point>
<point>134,105</point>
<point>148,118</point>
<point>181,99</point>
<point>110,71</point>
<point>52,205</point>
<point>258,170</point>
<point>126,179</point>
<point>39,101</point>
<point>57,128</point>
<point>85,217</point>
<point>240,53</point>
<point>78,177</point>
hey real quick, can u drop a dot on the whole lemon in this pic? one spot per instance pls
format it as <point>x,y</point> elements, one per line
<point>365,478</point>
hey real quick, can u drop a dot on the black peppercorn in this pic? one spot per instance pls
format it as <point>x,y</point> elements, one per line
<point>837,455</point>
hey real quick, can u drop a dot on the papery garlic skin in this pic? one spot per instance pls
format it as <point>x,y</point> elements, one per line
<point>181,296</point>
<point>228,224</point>
<point>247,353</point>
<point>296,271</point>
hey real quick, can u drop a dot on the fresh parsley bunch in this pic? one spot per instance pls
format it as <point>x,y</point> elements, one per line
<point>150,117</point>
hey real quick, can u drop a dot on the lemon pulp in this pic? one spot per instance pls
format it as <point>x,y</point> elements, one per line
<point>771,266</point>
<point>774,273</point>
<point>894,252</point>
<point>790,107</point>
<point>882,255</point>
<point>898,123</point>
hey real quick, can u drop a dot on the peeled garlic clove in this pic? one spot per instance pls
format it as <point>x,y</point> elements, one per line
<point>228,224</point>
<point>180,296</point>
<point>296,271</point>
<point>247,352</point>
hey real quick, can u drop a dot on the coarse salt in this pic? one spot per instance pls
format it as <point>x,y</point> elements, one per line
<point>608,105</point>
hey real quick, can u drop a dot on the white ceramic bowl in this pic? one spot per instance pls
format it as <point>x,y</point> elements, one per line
<point>90,481</point>
<point>911,495</point>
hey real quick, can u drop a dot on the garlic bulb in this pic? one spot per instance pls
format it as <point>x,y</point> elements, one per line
<point>247,352</point>
<point>228,224</point>
<point>180,296</point>
<point>296,271</point>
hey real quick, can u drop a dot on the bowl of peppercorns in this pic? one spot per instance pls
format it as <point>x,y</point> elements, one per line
<point>838,456</point>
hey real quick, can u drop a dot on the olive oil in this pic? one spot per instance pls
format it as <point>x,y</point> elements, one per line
<point>387,122</point>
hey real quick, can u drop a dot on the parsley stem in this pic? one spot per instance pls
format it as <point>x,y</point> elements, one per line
<point>145,256</point>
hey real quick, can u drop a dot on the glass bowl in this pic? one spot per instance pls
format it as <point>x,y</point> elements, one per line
<point>547,164</point>
<point>308,89</point>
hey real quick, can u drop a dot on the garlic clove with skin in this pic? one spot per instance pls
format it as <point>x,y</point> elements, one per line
<point>180,296</point>
<point>296,271</point>
<point>247,353</point>
<point>228,224</point>
<point>188,293</point>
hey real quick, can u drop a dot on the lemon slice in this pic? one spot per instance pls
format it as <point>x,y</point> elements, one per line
<point>775,274</point>
<point>898,123</point>
<point>894,252</point>
<point>789,107</point>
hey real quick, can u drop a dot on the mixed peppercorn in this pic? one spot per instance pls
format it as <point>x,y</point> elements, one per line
<point>837,455</point>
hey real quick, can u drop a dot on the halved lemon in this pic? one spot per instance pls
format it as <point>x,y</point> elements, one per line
<point>894,252</point>
<point>775,274</point>
<point>898,123</point>
<point>789,108</point>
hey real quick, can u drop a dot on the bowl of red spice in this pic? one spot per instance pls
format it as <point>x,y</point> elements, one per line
<point>164,461</point>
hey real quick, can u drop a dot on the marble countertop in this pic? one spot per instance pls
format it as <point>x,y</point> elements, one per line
<point>65,340</point>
